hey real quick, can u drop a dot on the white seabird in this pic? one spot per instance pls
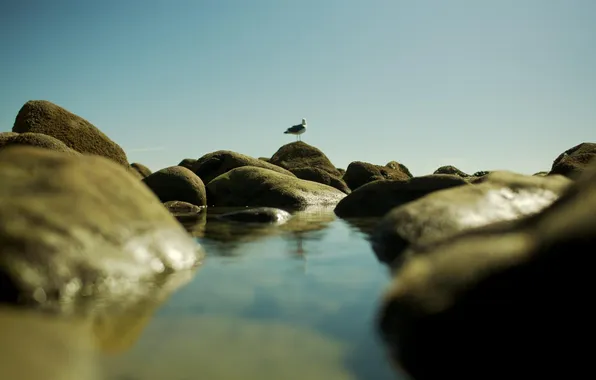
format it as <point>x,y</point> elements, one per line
<point>297,129</point>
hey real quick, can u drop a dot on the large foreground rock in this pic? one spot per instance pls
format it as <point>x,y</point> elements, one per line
<point>253,186</point>
<point>78,229</point>
<point>177,183</point>
<point>573,161</point>
<point>41,116</point>
<point>504,303</point>
<point>39,140</point>
<point>379,197</point>
<point>499,196</point>
<point>217,163</point>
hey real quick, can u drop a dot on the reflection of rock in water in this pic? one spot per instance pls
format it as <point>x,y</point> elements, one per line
<point>203,347</point>
<point>35,346</point>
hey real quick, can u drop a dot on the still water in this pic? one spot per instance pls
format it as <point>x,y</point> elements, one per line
<point>296,301</point>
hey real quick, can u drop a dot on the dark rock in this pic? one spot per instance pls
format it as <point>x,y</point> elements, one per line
<point>360,173</point>
<point>572,162</point>
<point>341,171</point>
<point>540,174</point>
<point>177,184</point>
<point>499,196</point>
<point>41,116</point>
<point>34,139</point>
<point>257,215</point>
<point>142,169</point>
<point>397,166</point>
<point>266,159</point>
<point>258,187</point>
<point>298,155</point>
<point>179,207</point>
<point>451,170</point>
<point>321,176</point>
<point>188,163</point>
<point>74,229</point>
<point>217,163</point>
<point>379,197</point>
<point>507,302</point>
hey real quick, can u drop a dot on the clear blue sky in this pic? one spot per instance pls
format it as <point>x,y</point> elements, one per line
<point>483,85</point>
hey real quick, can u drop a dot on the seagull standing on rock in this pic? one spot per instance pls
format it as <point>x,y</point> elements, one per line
<point>297,129</point>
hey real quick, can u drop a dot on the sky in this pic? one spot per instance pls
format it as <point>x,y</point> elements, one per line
<point>478,84</point>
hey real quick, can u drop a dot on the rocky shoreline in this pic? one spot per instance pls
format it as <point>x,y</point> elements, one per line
<point>479,262</point>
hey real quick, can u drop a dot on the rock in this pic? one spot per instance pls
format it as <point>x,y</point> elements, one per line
<point>217,163</point>
<point>379,197</point>
<point>177,183</point>
<point>451,170</point>
<point>481,173</point>
<point>74,229</point>
<point>502,303</point>
<point>499,196</point>
<point>188,163</point>
<point>397,166</point>
<point>34,139</point>
<point>41,116</point>
<point>321,176</point>
<point>341,171</point>
<point>573,161</point>
<point>360,173</point>
<point>298,155</point>
<point>141,169</point>
<point>540,174</point>
<point>258,187</point>
<point>266,159</point>
<point>179,207</point>
<point>257,215</point>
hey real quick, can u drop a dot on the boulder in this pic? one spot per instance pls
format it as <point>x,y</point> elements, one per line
<point>141,169</point>
<point>258,187</point>
<point>297,155</point>
<point>188,163</point>
<point>360,173</point>
<point>177,183</point>
<point>397,166</point>
<point>497,197</point>
<point>379,197</point>
<point>322,176</point>
<point>182,208</point>
<point>495,303</point>
<point>74,229</point>
<point>41,116</point>
<point>217,163</point>
<point>573,161</point>
<point>34,139</point>
<point>451,170</point>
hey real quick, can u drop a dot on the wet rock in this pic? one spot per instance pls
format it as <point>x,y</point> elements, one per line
<point>254,186</point>
<point>257,215</point>
<point>179,207</point>
<point>451,170</point>
<point>379,197</point>
<point>188,163</point>
<point>217,163</point>
<point>510,302</point>
<point>360,173</point>
<point>74,229</point>
<point>177,184</point>
<point>34,139</point>
<point>141,169</point>
<point>573,161</point>
<point>321,176</point>
<point>41,116</point>
<point>499,196</point>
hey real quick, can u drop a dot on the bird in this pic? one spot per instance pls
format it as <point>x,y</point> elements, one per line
<point>297,129</point>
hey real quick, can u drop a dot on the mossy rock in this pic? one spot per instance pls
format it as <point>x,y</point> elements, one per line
<point>398,166</point>
<point>298,155</point>
<point>177,183</point>
<point>217,163</point>
<point>573,161</point>
<point>379,197</point>
<point>42,116</point>
<point>259,187</point>
<point>188,163</point>
<point>448,169</point>
<point>321,176</point>
<point>141,169</point>
<point>360,173</point>
<point>36,140</point>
